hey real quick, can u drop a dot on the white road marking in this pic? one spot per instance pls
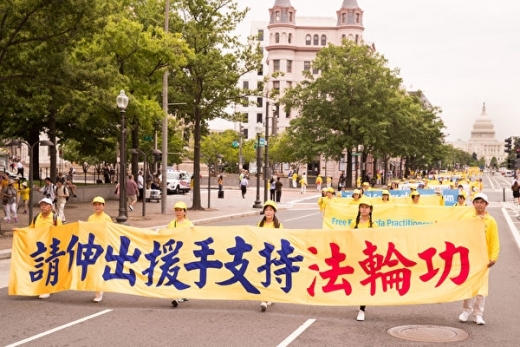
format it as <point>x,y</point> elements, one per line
<point>308,215</point>
<point>296,333</point>
<point>48,332</point>
<point>512,227</point>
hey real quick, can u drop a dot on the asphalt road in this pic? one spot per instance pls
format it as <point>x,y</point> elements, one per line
<point>71,319</point>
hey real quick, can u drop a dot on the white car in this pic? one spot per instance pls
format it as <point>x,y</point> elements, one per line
<point>177,182</point>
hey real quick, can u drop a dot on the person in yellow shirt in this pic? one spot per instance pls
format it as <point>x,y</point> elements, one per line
<point>329,182</point>
<point>385,196</point>
<point>438,192</point>
<point>99,215</point>
<point>363,220</point>
<point>46,218</point>
<point>294,179</point>
<point>356,196</point>
<point>24,196</point>
<point>319,181</point>
<point>358,182</point>
<point>303,184</point>
<point>329,195</point>
<point>269,221</point>
<point>461,199</point>
<point>415,197</point>
<point>180,221</point>
<point>476,304</point>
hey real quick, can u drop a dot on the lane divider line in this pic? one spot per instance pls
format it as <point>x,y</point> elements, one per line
<point>296,333</point>
<point>48,332</point>
<point>512,227</point>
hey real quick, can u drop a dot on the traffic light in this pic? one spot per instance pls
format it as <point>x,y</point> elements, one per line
<point>508,145</point>
<point>157,157</point>
<point>510,164</point>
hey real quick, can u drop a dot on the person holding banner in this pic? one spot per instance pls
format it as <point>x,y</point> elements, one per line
<point>461,199</point>
<point>415,197</point>
<point>99,215</point>
<point>363,220</point>
<point>180,221</point>
<point>269,221</point>
<point>385,196</point>
<point>356,195</point>
<point>475,305</point>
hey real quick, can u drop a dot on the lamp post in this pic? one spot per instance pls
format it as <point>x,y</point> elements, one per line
<point>31,152</point>
<point>154,152</point>
<point>266,149</point>
<point>258,129</point>
<point>122,103</point>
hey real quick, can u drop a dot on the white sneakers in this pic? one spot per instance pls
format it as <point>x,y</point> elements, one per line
<point>98,297</point>
<point>360,316</point>
<point>464,316</point>
<point>264,304</point>
<point>44,296</point>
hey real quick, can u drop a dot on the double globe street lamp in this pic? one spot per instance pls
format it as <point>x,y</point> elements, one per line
<point>122,103</point>
<point>258,129</point>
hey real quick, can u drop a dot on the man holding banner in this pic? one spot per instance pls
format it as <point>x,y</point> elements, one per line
<point>475,305</point>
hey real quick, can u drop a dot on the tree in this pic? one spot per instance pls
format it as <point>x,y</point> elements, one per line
<point>207,84</point>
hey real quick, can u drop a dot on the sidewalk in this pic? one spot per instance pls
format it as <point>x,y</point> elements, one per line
<point>232,206</point>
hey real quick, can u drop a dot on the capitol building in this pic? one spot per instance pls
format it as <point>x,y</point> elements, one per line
<point>483,141</point>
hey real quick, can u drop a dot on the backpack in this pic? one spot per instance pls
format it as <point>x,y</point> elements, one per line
<point>54,219</point>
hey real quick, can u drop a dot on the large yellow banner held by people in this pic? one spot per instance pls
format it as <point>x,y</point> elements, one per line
<point>383,266</point>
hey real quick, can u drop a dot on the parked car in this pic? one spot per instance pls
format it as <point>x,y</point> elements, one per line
<point>177,182</point>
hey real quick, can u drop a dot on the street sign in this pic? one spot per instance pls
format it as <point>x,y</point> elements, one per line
<point>262,142</point>
<point>235,144</point>
<point>355,154</point>
<point>147,138</point>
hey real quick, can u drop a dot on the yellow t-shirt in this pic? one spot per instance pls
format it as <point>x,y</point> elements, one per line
<point>24,193</point>
<point>319,180</point>
<point>362,225</point>
<point>186,223</point>
<point>42,221</point>
<point>270,225</point>
<point>103,217</point>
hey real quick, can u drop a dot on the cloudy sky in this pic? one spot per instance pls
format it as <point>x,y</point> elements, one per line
<point>460,53</point>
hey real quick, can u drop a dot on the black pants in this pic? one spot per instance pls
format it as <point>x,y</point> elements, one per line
<point>244,190</point>
<point>278,195</point>
<point>272,194</point>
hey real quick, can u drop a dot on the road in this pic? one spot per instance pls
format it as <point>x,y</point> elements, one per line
<point>71,319</point>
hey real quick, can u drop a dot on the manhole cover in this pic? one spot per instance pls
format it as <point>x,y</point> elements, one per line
<point>428,333</point>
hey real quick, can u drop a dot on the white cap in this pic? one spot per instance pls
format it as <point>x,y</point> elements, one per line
<point>45,200</point>
<point>481,196</point>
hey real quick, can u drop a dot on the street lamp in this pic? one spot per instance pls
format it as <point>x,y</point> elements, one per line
<point>43,143</point>
<point>122,103</point>
<point>258,129</point>
<point>154,152</point>
<point>266,149</point>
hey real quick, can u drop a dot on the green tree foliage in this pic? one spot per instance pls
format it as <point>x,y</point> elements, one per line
<point>207,84</point>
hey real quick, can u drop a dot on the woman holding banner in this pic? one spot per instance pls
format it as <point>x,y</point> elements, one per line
<point>362,221</point>
<point>269,221</point>
<point>180,221</point>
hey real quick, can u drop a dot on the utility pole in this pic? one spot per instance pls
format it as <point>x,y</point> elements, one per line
<point>164,164</point>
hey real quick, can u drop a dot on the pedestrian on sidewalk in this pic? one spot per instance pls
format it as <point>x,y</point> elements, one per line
<point>294,179</point>
<point>243,186</point>
<point>61,199</point>
<point>180,221</point>
<point>49,190</point>
<point>272,188</point>
<point>476,304</point>
<point>9,195</point>
<point>278,188</point>
<point>269,221</point>
<point>140,185</point>
<point>99,215</point>
<point>319,181</point>
<point>132,192</point>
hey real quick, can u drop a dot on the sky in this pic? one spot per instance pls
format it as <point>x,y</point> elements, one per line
<point>460,53</point>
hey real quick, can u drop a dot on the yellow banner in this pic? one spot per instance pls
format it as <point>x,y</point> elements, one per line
<point>383,266</point>
<point>340,212</point>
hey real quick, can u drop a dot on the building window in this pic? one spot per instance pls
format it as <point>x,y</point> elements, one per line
<point>289,66</point>
<point>350,19</point>
<point>357,38</point>
<point>259,102</point>
<point>357,18</point>
<point>316,40</point>
<point>290,38</point>
<point>259,118</point>
<point>306,65</point>
<point>246,133</point>
<point>308,40</point>
<point>277,16</point>
<point>261,70</point>
<point>260,34</point>
<point>276,85</point>
<point>323,40</point>
<point>289,84</point>
<point>276,65</point>
<point>290,17</point>
<point>315,71</point>
<point>245,101</point>
<point>343,18</point>
<point>260,86</point>
<point>277,38</point>
<point>245,85</point>
<point>343,37</point>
